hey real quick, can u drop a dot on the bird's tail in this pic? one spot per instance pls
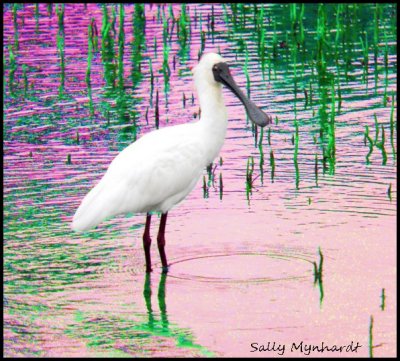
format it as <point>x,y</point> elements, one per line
<point>92,210</point>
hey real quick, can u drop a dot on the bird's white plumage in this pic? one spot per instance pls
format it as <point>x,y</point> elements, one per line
<point>161,168</point>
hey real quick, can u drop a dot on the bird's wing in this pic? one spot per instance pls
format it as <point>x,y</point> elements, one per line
<point>148,172</point>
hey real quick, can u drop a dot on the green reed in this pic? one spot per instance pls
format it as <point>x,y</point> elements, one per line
<point>254,130</point>
<point>88,69</point>
<point>365,61</point>
<point>339,93</point>
<point>386,62</point>
<point>272,165</point>
<point>370,338</point>
<point>107,50</point>
<point>255,16</point>
<point>114,19</point>
<point>165,31</point>
<point>221,186</point>
<point>69,160</point>
<point>203,42</point>
<point>107,113</point>
<point>318,273</point>
<point>227,18</point>
<point>90,56</point>
<point>25,77</point>
<point>389,192</point>
<point>124,114</point>
<point>246,71</point>
<point>95,36</point>
<point>155,47</point>
<point>383,299</point>
<point>210,173</point>
<point>166,50</point>
<point>61,46</point>
<point>173,23</point>
<point>339,29</point>
<point>37,15</point>
<point>212,23</point>
<point>294,53</point>
<point>327,127</point>
<point>381,146</point>
<point>242,12</point>
<point>351,30</point>
<point>151,81</point>
<point>295,154</point>
<point>201,23</point>
<point>315,268</point>
<point>50,9</point>
<point>184,100</point>
<point>392,127</point>
<point>234,15</point>
<point>376,129</point>
<point>249,176</point>
<point>296,23</point>
<point>205,188</point>
<point>331,146</point>
<point>15,23</point>
<point>322,42</point>
<point>316,170</point>
<point>370,143</point>
<point>305,98</point>
<point>260,30</point>
<point>274,41</point>
<point>77,138</point>
<point>260,148</point>
<point>121,45</point>
<point>377,19</point>
<point>13,68</point>
<point>377,16</point>
<point>184,23</point>
<point>171,13</point>
<point>146,116</point>
<point>158,12</point>
<point>321,261</point>
<point>301,26</point>
<point>157,111</point>
<point>166,69</point>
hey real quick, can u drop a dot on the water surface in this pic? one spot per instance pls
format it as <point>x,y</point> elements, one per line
<point>242,253</point>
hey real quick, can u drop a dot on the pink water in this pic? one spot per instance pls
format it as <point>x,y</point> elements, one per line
<point>241,268</point>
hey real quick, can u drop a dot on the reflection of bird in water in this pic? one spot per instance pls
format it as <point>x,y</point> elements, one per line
<point>161,327</point>
<point>161,301</point>
<point>159,170</point>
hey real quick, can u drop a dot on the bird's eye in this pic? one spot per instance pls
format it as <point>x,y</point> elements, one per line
<point>215,68</point>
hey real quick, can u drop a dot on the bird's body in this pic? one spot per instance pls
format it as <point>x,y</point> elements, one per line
<point>157,171</point>
<point>161,168</point>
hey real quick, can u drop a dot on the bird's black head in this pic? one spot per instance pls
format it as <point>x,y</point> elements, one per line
<point>223,75</point>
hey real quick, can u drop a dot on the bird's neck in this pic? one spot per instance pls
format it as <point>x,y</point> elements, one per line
<point>213,119</point>
<point>212,106</point>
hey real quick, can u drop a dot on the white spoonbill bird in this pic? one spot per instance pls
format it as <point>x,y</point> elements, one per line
<point>161,168</point>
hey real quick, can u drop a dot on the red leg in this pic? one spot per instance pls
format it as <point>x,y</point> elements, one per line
<point>161,242</point>
<point>147,243</point>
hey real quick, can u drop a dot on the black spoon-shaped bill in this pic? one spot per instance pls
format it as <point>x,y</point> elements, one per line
<point>223,75</point>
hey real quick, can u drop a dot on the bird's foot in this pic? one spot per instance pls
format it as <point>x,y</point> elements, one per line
<point>165,269</point>
<point>149,269</point>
